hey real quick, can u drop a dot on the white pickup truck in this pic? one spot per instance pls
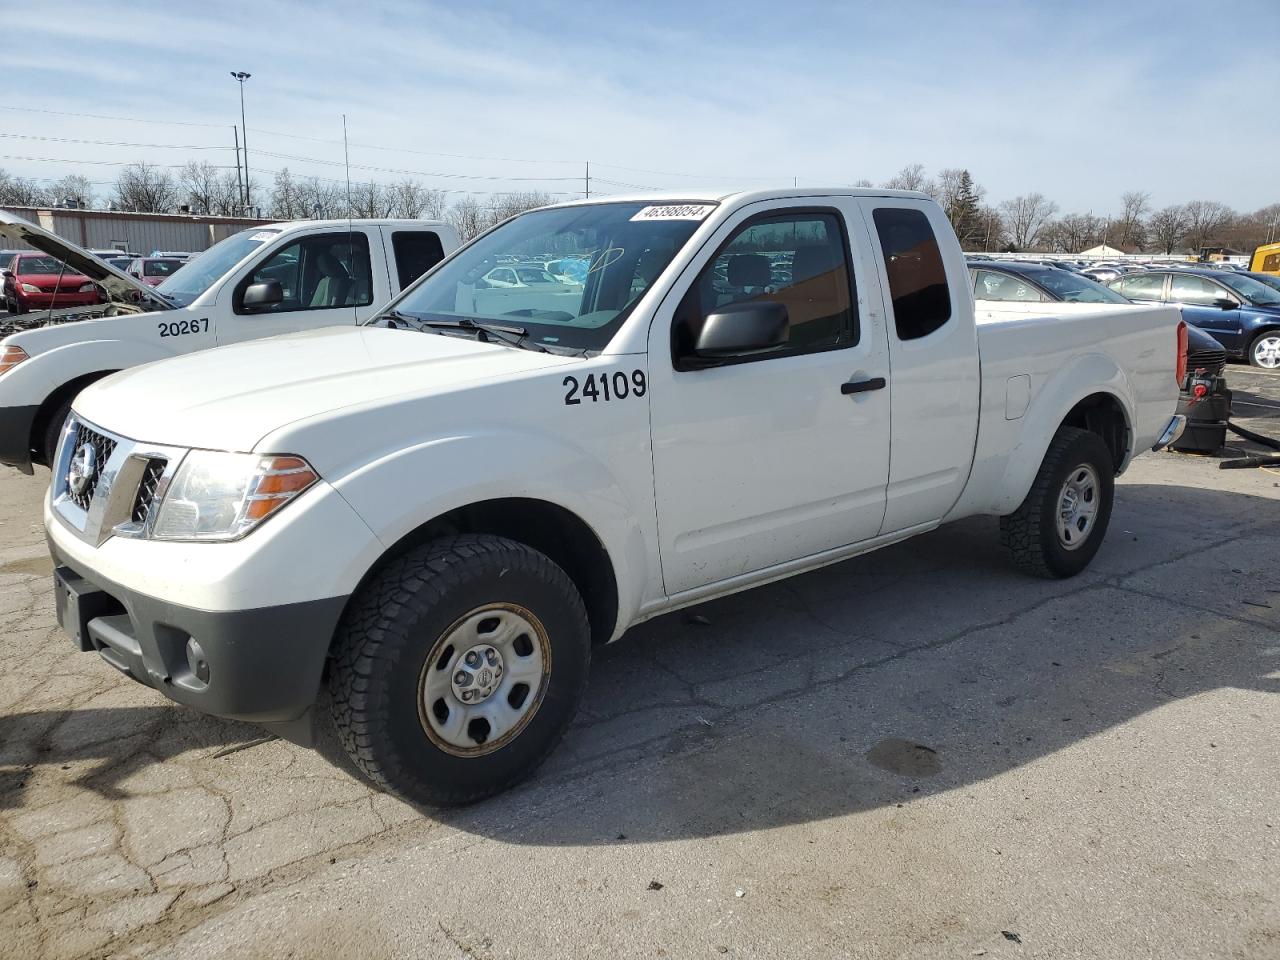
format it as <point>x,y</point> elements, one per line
<point>261,282</point>
<point>440,512</point>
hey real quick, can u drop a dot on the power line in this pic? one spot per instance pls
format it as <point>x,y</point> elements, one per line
<point>99,116</point>
<point>114,143</point>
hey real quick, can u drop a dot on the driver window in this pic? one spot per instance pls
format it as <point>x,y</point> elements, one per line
<point>319,273</point>
<point>1197,291</point>
<point>797,260</point>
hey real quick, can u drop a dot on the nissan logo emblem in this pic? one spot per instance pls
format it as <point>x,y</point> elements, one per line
<point>83,470</point>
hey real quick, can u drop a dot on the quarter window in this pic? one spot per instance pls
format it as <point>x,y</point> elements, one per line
<point>917,278</point>
<point>798,260</point>
<point>417,251</point>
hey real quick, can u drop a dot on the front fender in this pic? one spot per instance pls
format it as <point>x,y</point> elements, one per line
<point>33,381</point>
<point>399,493</point>
<point>1083,377</point>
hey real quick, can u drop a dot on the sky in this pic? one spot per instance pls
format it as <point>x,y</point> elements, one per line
<point>1080,101</point>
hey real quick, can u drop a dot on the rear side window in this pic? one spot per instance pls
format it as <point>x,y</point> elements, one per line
<point>417,251</point>
<point>917,278</point>
<point>1196,291</point>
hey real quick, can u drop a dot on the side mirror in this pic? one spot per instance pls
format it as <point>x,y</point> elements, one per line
<point>741,329</point>
<point>1225,303</point>
<point>259,296</point>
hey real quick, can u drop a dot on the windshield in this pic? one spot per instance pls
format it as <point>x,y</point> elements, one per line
<point>1074,288</point>
<point>160,268</point>
<point>28,265</point>
<point>625,247</point>
<point>198,275</point>
<point>1256,293</point>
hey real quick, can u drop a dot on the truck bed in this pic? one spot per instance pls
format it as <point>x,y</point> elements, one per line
<point>1033,356</point>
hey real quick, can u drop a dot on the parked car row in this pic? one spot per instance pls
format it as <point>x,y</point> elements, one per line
<point>1240,310</point>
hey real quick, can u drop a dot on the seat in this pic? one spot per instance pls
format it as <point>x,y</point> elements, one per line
<point>334,287</point>
<point>749,270</point>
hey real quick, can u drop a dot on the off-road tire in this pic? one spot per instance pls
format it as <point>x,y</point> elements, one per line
<point>390,628</point>
<point>1030,534</point>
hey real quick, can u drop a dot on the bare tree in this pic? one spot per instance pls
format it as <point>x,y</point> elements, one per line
<point>320,200</point>
<point>20,192</point>
<point>1025,217</point>
<point>1206,221</point>
<point>505,205</point>
<point>1167,227</point>
<point>408,198</point>
<point>204,188</point>
<point>910,177</point>
<point>147,189</point>
<point>371,200</point>
<point>1131,227</point>
<point>1076,232</point>
<point>467,217</point>
<point>286,204</point>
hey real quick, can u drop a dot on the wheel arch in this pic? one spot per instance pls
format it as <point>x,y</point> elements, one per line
<point>51,404</point>
<point>1104,414</point>
<point>546,527</point>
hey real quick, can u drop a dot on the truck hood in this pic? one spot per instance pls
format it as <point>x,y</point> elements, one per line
<point>231,397</point>
<point>119,286</point>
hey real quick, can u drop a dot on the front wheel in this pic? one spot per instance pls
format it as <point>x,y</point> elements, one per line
<point>1264,352</point>
<point>1060,525</point>
<point>458,668</point>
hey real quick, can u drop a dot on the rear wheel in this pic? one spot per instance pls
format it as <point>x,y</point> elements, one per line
<point>1060,525</point>
<point>458,668</point>
<point>1265,350</point>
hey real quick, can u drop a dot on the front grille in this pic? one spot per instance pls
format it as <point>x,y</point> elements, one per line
<point>147,489</point>
<point>103,447</point>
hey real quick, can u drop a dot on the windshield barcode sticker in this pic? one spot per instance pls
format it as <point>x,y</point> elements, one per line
<point>675,211</point>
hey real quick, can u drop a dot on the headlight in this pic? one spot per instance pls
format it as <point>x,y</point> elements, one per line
<point>87,287</point>
<point>222,496</point>
<point>29,288</point>
<point>10,357</point>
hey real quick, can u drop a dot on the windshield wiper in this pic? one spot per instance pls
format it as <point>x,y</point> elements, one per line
<point>513,335</point>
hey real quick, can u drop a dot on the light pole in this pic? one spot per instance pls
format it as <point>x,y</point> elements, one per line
<point>241,77</point>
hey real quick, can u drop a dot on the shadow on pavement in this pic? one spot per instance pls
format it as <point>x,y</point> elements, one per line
<point>919,669</point>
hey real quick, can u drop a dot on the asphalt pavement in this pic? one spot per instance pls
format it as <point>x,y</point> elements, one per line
<point>917,753</point>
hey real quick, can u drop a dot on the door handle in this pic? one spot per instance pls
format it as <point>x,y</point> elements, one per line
<point>863,386</point>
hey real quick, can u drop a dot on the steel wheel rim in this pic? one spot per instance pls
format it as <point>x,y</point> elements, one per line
<point>505,701</point>
<point>1078,502</point>
<point>1266,352</point>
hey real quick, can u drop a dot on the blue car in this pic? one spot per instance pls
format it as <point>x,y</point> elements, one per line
<point>1240,312</point>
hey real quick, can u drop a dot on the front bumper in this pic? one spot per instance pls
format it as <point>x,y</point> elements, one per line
<point>46,301</point>
<point>262,665</point>
<point>15,436</point>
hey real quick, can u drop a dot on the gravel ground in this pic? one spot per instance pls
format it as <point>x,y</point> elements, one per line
<point>919,753</point>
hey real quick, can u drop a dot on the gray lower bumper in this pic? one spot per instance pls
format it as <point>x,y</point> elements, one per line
<point>15,436</point>
<point>262,665</point>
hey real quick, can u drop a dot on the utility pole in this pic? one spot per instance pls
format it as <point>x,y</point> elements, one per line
<point>239,183</point>
<point>587,182</point>
<point>241,77</point>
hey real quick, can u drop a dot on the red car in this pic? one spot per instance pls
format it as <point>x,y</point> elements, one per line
<point>154,271</point>
<point>36,281</point>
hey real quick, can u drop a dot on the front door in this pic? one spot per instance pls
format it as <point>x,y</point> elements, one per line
<point>326,280</point>
<point>765,459</point>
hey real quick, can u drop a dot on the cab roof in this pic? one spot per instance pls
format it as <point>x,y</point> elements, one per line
<point>694,195</point>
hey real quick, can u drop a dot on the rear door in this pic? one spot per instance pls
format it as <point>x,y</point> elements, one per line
<point>327,279</point>
<point>1142,287</point>
<point>782,455</point>
<point>933,348</point>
